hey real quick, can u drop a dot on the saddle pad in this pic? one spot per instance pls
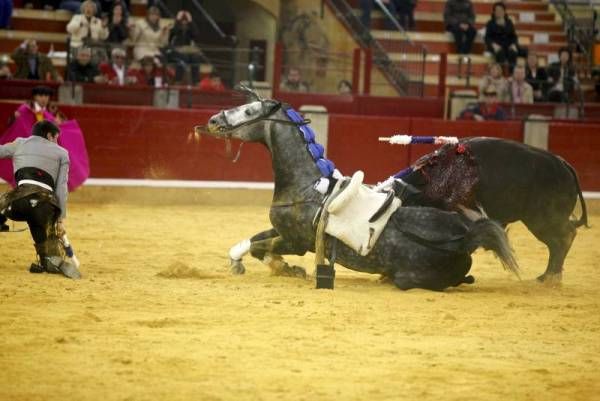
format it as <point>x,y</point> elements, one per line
<point>350,212</point>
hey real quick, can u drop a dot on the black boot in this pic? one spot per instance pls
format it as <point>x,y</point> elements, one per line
<point>51,260</point>
<point>3,225</point>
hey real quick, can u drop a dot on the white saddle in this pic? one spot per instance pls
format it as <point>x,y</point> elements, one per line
<point>358,214</point>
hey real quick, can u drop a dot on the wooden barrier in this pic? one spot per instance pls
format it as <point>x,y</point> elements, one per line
<point>145,142</point>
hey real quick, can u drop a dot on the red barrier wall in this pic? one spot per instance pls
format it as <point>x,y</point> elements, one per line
<point>579,145</point>
<point>144,142</point>
<point>353,145</point>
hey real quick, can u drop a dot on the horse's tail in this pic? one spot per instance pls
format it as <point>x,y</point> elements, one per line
<point>492,237</point>
<point>583,219</point>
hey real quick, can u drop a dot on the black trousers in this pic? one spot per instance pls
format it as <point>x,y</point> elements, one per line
<point>40,215</point>
<point>463,39</point>
<point>505,54</point>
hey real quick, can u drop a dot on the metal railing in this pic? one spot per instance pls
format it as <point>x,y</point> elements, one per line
<point>405,71</point>
<point>580,32</point>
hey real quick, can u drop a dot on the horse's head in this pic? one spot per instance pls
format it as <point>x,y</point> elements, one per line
<point>246,122</point>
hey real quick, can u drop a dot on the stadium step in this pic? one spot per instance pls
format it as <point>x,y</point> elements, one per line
<point>9,40</point>
<point>434,22</point>
<point>40,21</point>
<point>481,7</point>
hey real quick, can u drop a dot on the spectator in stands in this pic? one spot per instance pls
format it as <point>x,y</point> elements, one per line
<point>153,73</point>
<point>495,78</point>
<point>487,109</point>
<point>459,19</point>
<point>107,6</point>
<point>83,69</point>
<point>501,37</point>
<point>117,72</point>
<point>31,64</point>
<point>148,36</point>
<point>344,87</point>
<point>293,82</point>
<point>4,69</point>
<point>86,28</point>
<point>367,7</point>
<point>536,76</point>
<point>6,8</point>
<point>519,91</point>
<point>118,27</point>
<point>406,13</point>
<point>212,83</point>
<point>183,49</point>
<point>561,75</point>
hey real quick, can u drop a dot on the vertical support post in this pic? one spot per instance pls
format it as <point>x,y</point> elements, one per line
<point>277,65</point>
<point>355,71</point>
<point>367,71</point>
<point>442,75</point>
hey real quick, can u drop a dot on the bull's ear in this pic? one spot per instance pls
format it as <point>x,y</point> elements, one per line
<point>252,95</point>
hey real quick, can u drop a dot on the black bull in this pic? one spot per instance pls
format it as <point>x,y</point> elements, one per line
<point>511,182</point>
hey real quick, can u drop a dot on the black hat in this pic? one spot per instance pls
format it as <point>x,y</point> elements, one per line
<point>41,90</point>
<point>44,127</point>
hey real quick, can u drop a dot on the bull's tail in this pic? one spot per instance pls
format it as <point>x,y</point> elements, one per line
<point>491,236</point>
<point>583,219</point>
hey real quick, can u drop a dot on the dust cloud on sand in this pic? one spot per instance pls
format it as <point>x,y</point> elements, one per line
<point>157,316</point>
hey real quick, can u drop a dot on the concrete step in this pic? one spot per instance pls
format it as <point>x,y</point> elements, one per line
<point>39,20</point>
<point>434,22</point>
<point>483,7</point>
<point>444,43</point>
<point>10,39</point>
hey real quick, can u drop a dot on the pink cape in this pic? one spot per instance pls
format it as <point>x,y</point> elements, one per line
<point>71,138</point>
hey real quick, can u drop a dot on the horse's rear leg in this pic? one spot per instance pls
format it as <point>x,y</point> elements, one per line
<point>558,239</point>
<point>436,278</point>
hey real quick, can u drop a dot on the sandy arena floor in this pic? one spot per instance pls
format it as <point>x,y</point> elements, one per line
<point>125,332</point>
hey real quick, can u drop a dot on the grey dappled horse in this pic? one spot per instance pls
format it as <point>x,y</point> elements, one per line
<point>420,247</point>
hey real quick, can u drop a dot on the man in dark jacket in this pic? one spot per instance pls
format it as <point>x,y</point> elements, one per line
<point>41,169</point>
<point>536,76</point>
<point>31,64</point>
<point>459,19</point>
<point>562,77</point>
<point>183,47</point>
<point>83,69</point>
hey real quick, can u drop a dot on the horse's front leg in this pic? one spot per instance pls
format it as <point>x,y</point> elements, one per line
<point>267,246</point>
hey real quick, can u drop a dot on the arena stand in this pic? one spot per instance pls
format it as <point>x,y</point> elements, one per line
<point>128,138</point>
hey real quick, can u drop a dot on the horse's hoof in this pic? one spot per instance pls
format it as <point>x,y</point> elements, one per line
<point>237,267</point>
<point>299,271</point>
<point>550,279</point>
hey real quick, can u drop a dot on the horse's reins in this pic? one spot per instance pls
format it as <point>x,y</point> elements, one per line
<point>230,129</point>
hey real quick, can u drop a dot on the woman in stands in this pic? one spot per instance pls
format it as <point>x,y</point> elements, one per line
<point>494,78</point>
<point>501,37</point>
<point>148,36</point>
<point>86,28</point>
<point>118,27</point>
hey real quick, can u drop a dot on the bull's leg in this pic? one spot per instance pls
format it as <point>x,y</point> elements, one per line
<point>558,239</point>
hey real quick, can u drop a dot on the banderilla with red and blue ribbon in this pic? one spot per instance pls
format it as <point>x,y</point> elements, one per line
<point>410,140</point>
